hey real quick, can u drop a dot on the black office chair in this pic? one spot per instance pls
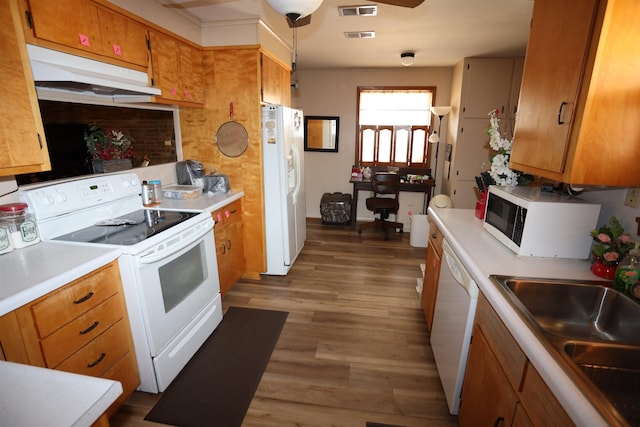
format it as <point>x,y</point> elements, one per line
<point>386,187</point>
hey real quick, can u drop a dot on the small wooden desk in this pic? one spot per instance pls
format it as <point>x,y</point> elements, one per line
<point>366,185</point>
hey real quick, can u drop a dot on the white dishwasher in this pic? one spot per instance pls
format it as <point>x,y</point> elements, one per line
<point>453,317</point>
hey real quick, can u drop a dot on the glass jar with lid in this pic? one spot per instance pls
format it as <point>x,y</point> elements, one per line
<point>22,228</point>
<point>6,245</point>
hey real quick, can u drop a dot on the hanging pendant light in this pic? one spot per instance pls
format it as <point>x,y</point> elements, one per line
<point>295,8</point>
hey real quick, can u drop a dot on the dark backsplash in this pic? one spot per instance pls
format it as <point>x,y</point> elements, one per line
<point>64,130</point>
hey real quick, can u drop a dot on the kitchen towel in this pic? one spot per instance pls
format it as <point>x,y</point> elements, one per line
<point>217,385</point>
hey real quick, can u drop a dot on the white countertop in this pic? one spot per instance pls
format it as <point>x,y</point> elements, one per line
<point>36,270</point>
<point>33,396</point>
<point>483,255</point>
<point>206,202</point>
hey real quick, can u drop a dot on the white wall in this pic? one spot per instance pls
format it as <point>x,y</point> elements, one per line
<point>334,93</point>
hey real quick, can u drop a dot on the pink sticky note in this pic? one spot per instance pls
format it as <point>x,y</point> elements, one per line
<point>227,214</point>
<point>173,91</point>
<point>219,217</point>
<point>117,50</point>
<point>186,94</point>
<point>84,40</point>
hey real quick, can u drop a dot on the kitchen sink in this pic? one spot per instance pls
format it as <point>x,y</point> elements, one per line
<point>579,310</point>
<point>592,330</point>
<point>615,370</point>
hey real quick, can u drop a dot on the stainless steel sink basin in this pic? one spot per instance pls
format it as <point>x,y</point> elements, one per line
<point>615,370</point>
<point>579,310</point>
<point>591,330</point>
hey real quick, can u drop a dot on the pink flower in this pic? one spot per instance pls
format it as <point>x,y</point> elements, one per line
<point>610,256</point>
<point>604,238</point>
<point>625,238</point>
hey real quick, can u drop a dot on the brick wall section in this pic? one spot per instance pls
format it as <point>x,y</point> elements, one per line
<point>148,128</point>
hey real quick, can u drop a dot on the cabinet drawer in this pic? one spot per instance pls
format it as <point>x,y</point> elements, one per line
<point>435,236</point>
<point>74,299</point>
<point>68,339</point>
<point>228,214</point>
<point>508,352</point>
<point>100,354</point>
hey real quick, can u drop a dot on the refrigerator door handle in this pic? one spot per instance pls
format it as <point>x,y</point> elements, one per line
<point>296,165</point>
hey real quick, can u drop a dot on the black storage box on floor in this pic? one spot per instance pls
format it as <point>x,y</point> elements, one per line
<point>335,208</point>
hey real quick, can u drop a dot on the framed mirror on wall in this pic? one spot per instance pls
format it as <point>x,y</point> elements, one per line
<point>321,133</point>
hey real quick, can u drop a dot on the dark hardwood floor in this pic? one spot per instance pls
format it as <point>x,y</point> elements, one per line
<point>354,348</point>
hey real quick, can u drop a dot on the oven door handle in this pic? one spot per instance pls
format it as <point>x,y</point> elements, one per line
<point>160,255</point>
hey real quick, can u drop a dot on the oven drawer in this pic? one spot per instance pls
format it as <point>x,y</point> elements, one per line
<point>74,299</point>
<point>68,339</point>
<point>100,354</point>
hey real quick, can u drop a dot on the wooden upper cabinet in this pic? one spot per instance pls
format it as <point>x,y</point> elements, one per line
<point>123,38</point>
<point>577,115</point>
<point>72,23</point>
<point>191,73</point>
<point>81,26</point>
<point>23,147</point>
<point>276,81</point>
<point>177,70</point>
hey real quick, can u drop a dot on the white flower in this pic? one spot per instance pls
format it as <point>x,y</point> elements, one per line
<point>500,171</point>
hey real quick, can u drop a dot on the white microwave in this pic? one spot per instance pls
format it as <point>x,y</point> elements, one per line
<point>531,222</point>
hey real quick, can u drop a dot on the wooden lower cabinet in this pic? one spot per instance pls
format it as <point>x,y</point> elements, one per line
<point>501,387</point>
<point>81,327</point>
<point>229,237</point>
<point>488,399</point>
<point>431,272</point>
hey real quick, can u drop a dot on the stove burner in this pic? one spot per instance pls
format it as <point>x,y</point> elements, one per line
<point>128,229</point>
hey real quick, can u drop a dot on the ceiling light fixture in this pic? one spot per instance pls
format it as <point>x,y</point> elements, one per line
<point>406,58</point>
<point>294,9</point>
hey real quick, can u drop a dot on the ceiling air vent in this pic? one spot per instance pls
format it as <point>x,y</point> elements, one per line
<point>360,34</point>
<point>367,10</point>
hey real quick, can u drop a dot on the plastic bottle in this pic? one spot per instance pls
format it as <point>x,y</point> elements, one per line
<point>22,228</point>
<point>628,272</point>
<point>157,191</point>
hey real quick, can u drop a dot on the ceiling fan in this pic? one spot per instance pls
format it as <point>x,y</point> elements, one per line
<point>298,12</point>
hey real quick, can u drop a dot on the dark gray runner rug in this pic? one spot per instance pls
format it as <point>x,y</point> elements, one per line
<point>217,385</point>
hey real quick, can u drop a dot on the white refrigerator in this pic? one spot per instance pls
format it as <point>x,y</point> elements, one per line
<point>284,189</point>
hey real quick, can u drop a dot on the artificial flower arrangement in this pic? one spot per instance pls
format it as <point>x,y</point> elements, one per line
<point>499,159</point>
<point>611,242</point>
<point>110,145</point>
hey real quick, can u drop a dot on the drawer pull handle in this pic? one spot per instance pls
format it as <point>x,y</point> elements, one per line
<point>229,244</point>
<point>84,298</point>
<point>90,328</point>
<point>433,235</point>
<point>499,422</point>
<point>98,360</point>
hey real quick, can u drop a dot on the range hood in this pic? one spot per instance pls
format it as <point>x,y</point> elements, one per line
<point>61,76</point>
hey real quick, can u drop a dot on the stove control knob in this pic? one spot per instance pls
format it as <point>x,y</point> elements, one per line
<point>61,196</point>
<point>48,199</point>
